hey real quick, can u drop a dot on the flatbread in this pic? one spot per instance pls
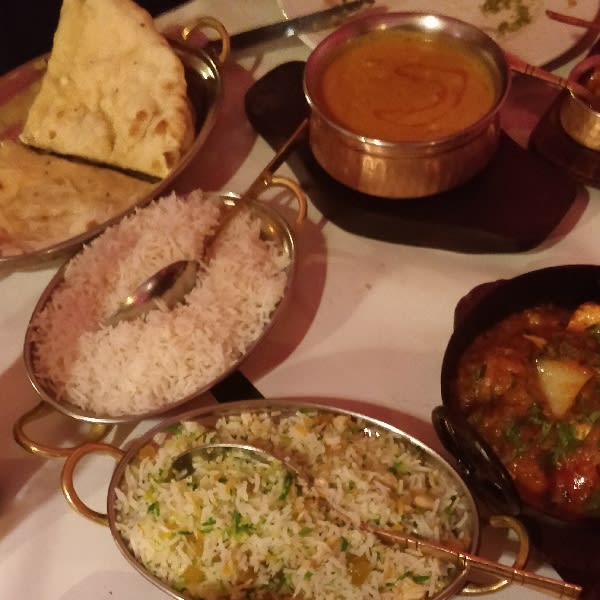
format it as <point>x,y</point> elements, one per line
<point>45,199</point>
<point>114,91</point>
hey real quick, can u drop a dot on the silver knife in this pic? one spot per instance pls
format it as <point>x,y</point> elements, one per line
<point>316,21</point>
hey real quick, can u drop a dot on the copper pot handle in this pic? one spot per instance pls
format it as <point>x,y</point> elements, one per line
<point>503,521</point>
<point>210,23</point>
<point>68,484</point>
<point>295,188</point>
<point>552,587</point>
<point>96,432</point>
<point>267,178</point>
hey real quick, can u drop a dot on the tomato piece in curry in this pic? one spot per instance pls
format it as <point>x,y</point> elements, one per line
<point>530,385</point>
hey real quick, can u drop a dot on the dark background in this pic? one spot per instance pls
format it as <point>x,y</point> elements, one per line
<point>27,27</point>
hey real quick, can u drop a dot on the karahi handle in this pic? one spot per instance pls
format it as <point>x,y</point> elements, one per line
<point>68,483</point>
<point>96,432</point>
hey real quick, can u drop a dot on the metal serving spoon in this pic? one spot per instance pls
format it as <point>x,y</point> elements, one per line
<point>183,466</point>
<point>175,280</point>
<point>169,284</point>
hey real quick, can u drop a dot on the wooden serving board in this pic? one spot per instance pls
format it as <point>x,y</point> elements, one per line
<point>511,206</point>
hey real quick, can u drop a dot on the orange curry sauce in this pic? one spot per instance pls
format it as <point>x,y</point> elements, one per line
<point>554,460</point>
<point>400,85</point>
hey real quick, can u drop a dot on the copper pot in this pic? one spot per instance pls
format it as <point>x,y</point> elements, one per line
<point>580,120</point>
<point>404,169</point>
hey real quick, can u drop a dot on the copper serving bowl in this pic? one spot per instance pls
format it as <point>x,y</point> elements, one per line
<point>569,543</point>
<point>205,90</point>
<point>272,411</point>
<point>274,228</point>
<point>404,169</point>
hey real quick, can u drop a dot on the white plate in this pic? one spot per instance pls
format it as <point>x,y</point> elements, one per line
<point>539,42</point>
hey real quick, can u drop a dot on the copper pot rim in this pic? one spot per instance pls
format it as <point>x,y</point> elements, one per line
<point>395,20</point>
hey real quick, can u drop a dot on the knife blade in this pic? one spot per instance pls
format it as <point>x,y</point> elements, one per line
<point>316,21</point>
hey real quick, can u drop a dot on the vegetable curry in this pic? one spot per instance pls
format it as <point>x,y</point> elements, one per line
<point>531,387</point>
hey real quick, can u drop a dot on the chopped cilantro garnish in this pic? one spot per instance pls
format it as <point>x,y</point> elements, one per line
<point>399,468</point>
<point>154,508</point>
<point>287,484</point>
<point>208,525</point>
<point>174,429</point>
<point>239,526</point>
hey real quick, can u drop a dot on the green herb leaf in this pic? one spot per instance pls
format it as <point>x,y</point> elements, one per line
<point>174,429</point>
<point>208,525</point>
<point>154,508</point>
<point>287,485</point>
<point>399,468</point>
<point>239,526</point>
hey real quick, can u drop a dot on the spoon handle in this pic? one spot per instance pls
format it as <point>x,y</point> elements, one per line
<point>262,181</point>
<point>576,21</point>
<point>553,587</point>
<point>520,66</point>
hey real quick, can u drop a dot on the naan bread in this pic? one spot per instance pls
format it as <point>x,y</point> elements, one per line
<point>45,199</point>
<point>114,92</point>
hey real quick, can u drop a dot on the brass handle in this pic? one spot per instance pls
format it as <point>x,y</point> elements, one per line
<point>503,521</point>
<point>476,564</point>
<point>516,574</point>
<point>524,68</point>
<point>68,484</point>
<point>266,178</point>
<point>296,189</point>
<point>96,432</point>
<point>210,23</point>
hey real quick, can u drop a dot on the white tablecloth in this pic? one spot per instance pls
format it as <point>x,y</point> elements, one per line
<point>368,322</point>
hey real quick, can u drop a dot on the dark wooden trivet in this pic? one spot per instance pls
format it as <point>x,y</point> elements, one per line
<point>511,206</point>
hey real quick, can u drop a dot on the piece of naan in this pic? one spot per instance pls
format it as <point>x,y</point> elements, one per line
<point>45,199</point>
<point>114,91</point>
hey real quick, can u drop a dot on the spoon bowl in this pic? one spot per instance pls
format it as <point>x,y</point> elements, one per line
<point>169,285</point>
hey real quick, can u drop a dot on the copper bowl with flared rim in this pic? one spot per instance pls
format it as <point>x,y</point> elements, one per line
<point>398,170</point>
<point>577,118</point>
<point>205,91</point>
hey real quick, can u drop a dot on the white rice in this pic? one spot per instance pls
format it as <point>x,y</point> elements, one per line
<point>151,362</point>
<point>234,530</point>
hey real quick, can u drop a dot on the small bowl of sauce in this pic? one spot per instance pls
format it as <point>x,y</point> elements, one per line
<point>578,118</point>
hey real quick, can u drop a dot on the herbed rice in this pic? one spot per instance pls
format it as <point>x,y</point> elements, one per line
<point>150,362</point>
<point>239,529</point>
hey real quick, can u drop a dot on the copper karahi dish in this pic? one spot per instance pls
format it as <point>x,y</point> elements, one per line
<point>273,238</point>
<point>520,407</point>
<point>331,444</point>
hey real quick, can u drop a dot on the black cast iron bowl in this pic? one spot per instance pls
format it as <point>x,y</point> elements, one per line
<point>571,546</point>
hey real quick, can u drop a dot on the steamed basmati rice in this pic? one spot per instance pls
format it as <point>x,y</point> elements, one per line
<point>239,529</point>
<point>151,362</point>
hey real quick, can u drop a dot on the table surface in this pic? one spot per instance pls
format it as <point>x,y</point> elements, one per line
<point>366,327</point>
